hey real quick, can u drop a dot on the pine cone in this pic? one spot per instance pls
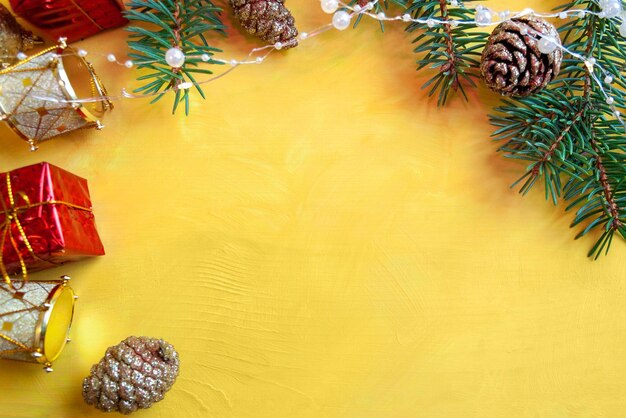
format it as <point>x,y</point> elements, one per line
<point>132,375</point>
<point>512,63</point>
<point>270,20</point>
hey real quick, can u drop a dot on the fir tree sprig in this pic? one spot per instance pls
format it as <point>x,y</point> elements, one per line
<point>452,51</point>
<point>569,135</point>
<point>164,24</point>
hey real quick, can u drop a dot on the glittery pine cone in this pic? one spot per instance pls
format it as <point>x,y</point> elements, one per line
<point>132,375</point>
<point>269,20</point>
<point>13,38</point>
<point>512,62</point>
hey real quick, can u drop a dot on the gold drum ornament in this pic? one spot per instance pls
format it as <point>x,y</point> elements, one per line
<point>35,320</point>
<point>51,93</point>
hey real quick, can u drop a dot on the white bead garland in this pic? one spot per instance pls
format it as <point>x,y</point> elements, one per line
<point>330,6</point>
<point>483,16</point>
<point>175,58</point>
<point>341,20</point>
<point>547,45</point>
<point>611,8</point>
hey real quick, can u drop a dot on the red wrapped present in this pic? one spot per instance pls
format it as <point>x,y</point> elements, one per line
<point>72,19</point>
<point>45,219</point>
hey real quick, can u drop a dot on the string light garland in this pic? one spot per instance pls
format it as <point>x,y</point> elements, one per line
<point>342,17</point>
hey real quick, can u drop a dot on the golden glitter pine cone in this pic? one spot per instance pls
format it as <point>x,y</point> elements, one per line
<point>13,38</point>
<point>269,20</point>
<point>512,63</point>
<point>133,375</point>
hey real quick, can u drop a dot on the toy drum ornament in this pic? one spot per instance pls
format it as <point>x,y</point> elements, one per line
<point>35,320</point>
<point>51,93</point>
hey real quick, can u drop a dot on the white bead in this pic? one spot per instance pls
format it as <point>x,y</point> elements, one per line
<point>547,45</point>
<point>304,35</point>
<point>612,8</point>
<point>430,23</point>
<point>21,56</point>
<point>205,57</point>
<point>233,63</point>
<point>258,60</point>
<point>622,29</point>
<point>581,14</point>
<point>592,61</point>
<point>483,16</point>
<point>175,58</point>
<point>369,6</point>
<point>357,8</point>
<point>341,20</point>
<point>330,6</point>
<point>111,58</point>
<point>610,100</point>
<point>454,3</point>
<point>381,15</point>
<point>406,17</point>
<point>128,64</point>
<point>504,15</point>
<point>278,45</point>
<point>81,53</point>
<point>562,15</point>
<point>608,79</point>
<point>454,23</point>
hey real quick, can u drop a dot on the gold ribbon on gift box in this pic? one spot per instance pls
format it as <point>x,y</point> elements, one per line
<point>11,214</point>
<point>35,318</point>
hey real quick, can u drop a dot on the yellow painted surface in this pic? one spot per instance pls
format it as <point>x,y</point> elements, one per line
<point>319,240</point>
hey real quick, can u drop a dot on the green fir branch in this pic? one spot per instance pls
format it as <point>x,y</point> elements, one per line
<point>568,134</point>
<point>452,51</point>
<point>158,25</point>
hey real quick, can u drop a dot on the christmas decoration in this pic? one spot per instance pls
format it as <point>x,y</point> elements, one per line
<point>35,320</point>
<point>45,220</point>
<point>522,56</point>
<point>571,135</point>
<point>133,375</point>
<point>269,20</point>
<point>13,38</point>
<point>448,48</point>
<point>40,100</point>
<point>173,45</point>
<point>71,19</point>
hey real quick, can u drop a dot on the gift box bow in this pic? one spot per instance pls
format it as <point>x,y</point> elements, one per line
<point>19,205</point>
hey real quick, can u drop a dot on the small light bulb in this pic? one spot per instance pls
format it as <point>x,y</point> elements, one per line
<point>81,53</point>
<point>111,58</point>
<point>128,64</point>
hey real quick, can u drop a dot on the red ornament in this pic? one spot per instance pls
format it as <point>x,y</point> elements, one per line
<point>45,218</point>
<point>72,19</point>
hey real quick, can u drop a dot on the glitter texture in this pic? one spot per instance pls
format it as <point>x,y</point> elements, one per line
<point>25,314</point>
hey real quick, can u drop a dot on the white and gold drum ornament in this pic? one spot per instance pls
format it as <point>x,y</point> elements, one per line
<point>51,93</point>
<point>35,320</point>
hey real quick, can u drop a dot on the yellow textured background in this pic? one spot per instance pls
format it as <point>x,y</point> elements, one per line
<point>319,240</point>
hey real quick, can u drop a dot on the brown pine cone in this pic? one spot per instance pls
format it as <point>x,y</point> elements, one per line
<point>270,20</point>
<point>512,63</point>
<point>132,375</point>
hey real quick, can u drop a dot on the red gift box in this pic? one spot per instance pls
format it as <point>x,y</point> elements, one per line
<point>45,218</point>
<point>72,19</point>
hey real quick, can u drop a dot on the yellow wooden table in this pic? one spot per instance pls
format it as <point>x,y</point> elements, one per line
<point>318,239</point>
